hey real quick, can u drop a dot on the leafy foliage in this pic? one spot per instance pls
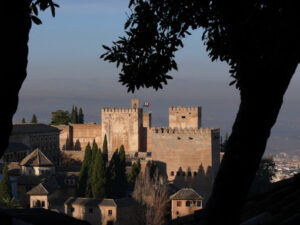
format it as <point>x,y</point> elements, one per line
<point>233,31</point>
<point>34,119</point>
<point>23,120</point>
<point>80,116</point>
<point>264,175</point>
<point>134,172</point>
<point>5,185</point>
<point>82,188</point>
<point>60,117</point>
<point>41,5</point>
<point>105,149</point>
<point>99,180</point>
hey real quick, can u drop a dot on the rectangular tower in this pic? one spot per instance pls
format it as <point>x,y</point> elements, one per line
<point>122,126</point>
<point>185,117</point>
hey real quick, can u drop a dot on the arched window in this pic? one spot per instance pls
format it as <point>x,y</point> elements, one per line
<point>187,203</point>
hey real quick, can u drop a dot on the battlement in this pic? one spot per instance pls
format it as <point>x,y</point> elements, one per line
<point>121,110</point>
<point>167,130</point>
<point>183,108</point>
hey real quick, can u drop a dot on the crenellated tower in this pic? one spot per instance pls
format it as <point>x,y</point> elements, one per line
<point>185,117</point>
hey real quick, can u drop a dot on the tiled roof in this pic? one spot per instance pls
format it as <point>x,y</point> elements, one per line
<point>48,186</point>
<point>280,204</point>
<point>15,147</point>
<point>91,201</point>
<point>31,128</point>
<point>83,201</point>
<point>36,158</point>
<point>186,194</point>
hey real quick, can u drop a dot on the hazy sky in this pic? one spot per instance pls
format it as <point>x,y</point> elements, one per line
<point>65,69</point>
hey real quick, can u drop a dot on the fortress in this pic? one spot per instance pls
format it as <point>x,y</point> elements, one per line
<point>188,153</point>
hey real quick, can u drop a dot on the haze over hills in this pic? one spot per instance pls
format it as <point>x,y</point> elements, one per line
<point>65,69</point>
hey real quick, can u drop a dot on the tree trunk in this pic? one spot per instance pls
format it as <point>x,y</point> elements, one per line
<point>261,99</point>
<point>15,33</point>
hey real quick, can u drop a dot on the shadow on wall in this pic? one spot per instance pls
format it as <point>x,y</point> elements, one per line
<point>77,145</point>
<point>200,181</point>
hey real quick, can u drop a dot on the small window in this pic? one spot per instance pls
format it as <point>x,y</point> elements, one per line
<point>110,222</point>
<point>183,117</point>
<point>199,203</point>
<point>172,173</point>
<point>43,204</point>
<point>90,210</point>
<point>72,209</point>
<point>188,203</point>
<point>190,138</point>
<point>189,174</point>
<point>178,173</point>
<point>195,174</point>
<point>110,212</point>
<point>178,203</point>
<point>177,213</point>
<point>178,138</point>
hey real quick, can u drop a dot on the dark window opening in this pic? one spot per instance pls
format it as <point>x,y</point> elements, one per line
<point>178,173</point>
<point>172,173</point>
<point>110,212</point>
<point>183,173</point>
<point>195,173</point>
<point>187,203</point>
<point>178,138</point>
<point>90,210</point>
<point>190,138</point>
<point>183,117</point>
<point>178,203</point>
<point>189,173</point>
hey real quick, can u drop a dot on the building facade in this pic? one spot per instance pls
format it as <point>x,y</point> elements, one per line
<point>186,152</point>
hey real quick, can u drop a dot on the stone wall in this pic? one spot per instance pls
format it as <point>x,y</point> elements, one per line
<point>122,126</point>
<point>185,117</point>
<point>85,133</point>
<point>77,136</point>
<point>188,155</point>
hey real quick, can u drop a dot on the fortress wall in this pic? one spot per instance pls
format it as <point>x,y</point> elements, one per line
<point>85,133</point>
<point>122,126</point>
<point>188,155</point>
<point>185,117</point>
<point>65,136</point>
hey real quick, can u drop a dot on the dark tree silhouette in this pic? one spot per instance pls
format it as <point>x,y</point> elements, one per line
<point>17,26</point>
<point>259,39</point>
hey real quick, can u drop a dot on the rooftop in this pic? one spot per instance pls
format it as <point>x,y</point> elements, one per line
<point>36,158</point>
<point>15,147</point>
<point>186,194</point>
<point>30,128</point>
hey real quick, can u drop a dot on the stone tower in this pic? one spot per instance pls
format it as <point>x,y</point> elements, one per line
<point>122,126</point>
<point>185,117</point>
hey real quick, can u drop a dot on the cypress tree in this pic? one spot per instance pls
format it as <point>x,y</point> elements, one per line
<point>5,185</point>
<point>80,116</point>
<point>76,115</point>
<point>34,119</point>
<point>113,176</point>
<point>89,192</point>
<point>83,175</point>
<point>23,120</point>
<point>73,115</point>
<point>135,170</point>
<point>105,149</point>
<point>122,172</point>
<point>99,177</point>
